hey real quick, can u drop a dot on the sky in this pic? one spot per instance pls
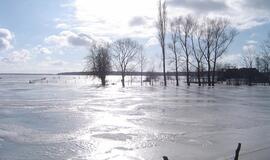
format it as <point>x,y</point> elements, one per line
<point>52,36</point>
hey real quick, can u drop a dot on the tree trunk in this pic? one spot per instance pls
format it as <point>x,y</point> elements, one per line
<point>176,72</point>
<point>187,61</point>
<point>209,73</point>
<point>164,69</point>
<point>208,64</point>
<point>199,74</point>
<point>141,77</point>
<point>103,81</point>
<point>177,79</point>
<point>202,74</point>
<point>249,78</point>
<point>214,73</point>
<point>141,80</point>
<point>123,80</point>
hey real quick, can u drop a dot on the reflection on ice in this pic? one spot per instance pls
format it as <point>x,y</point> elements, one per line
<point>74,118</point>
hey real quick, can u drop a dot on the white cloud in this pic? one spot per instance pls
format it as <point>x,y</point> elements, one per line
<point>19,56</point>
<point>257,5</point>
<point>42,50</point>
<point>116,19</point>
<point>49,62</point>
<point>244,14</point>
<point>59,40</point>
<point>6,38</point>
<point>250,45</point>
<point>62,26</point>
<point>68,38</point>
<point>200,6</point>
<point>151,42</point>
<point>253,35</point>
<point>80,40</point>
<point>251,42</point>
<point>137,21</point>
<point>233,59</point>
<point>247,47</point>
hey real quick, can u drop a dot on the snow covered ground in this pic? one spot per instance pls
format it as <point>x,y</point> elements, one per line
<point>70,117</point>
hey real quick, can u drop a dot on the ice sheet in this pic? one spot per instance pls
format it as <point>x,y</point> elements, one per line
<point>72,117</point>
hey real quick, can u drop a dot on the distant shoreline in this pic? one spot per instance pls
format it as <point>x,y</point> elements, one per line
<point>27,74</point>
<point>127,73</point>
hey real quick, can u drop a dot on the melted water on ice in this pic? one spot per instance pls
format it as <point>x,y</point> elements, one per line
<point>69,117</point>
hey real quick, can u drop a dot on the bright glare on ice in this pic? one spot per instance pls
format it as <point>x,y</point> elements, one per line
<point>71,117</point>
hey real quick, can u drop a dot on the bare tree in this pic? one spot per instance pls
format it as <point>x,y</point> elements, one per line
<point>124,53</point>
<point>132,68</point>
<point>151,76</point>
<point>142,62</point>
<point>249,57</point>
<point>265,54</point>
<point>259,63</point>
<point>99,61</point>
<point>223,35</point>
<point>205,42</point>
<point>184,28</point>
<point>173,47</point>
<point>196,52</point>
<point>161,28</point>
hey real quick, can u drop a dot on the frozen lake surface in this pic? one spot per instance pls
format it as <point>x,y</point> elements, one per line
<point>70,118</point>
